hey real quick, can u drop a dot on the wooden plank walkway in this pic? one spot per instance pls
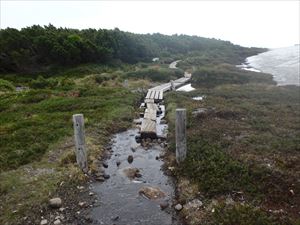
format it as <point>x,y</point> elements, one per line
<point>152,99</point>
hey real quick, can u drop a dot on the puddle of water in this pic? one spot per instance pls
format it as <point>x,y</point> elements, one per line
<point>186,88</point>
<point>118,197</point>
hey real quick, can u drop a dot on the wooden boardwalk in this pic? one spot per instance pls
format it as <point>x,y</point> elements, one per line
<point>153,98</point>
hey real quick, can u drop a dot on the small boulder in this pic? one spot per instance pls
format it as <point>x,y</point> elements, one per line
<point>131,173</point>
<point>130,159</point>
<point>106,176</point>
<point>105,165</point>
<point>115,218</point>
<point>57,222</point>
<point>178,207</point>
<point>44,222</point>
<point>101,179</point>
<point>82,204</point>
<point>55,202</point>
<point>118,162</point>
<point>164,205</point>
<point>152,192</point>
<point>138,138</point>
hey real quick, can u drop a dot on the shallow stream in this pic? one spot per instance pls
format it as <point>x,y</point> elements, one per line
<point>119,200</point>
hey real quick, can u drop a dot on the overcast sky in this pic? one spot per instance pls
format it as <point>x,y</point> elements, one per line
<point>248,23</point>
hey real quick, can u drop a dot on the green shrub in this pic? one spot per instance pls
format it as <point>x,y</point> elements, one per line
<point>41,83</point>
<point>227,74</point>
<point>6,86</point>
<point>213,170</point>
<point>155,74</point>
<point>241,215</point>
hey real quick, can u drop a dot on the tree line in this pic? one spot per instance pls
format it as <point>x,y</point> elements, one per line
<point>34,47</point>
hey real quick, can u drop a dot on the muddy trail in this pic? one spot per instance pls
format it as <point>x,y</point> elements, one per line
<point>137,190</point>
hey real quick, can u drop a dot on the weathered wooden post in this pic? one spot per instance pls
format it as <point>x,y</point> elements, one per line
<point>180,135</point>
<point>80,150</point>
<point>126,83</point>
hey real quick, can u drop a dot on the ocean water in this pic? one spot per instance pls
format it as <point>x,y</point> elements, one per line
<point>282,63</point>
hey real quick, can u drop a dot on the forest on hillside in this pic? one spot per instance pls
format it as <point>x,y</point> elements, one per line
<point>34,48</point>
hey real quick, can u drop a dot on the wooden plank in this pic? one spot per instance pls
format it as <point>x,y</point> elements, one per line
<point>156,94</point>
<point>148,128</point>
<point>161,95</point>
<point>80,150</point>
<point>152,94</point>
<point>148,94</point>
<point>150,113</point>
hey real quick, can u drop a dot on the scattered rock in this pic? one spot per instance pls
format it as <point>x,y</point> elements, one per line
<point>82,204</point>
<point>229,201</point>
<point>115,218</point>
<point>99,174</point>
<point>131,173</point>
<point>61,209</point>
<point>171,168</point>
<point>178,207</point>
<point>105,165</point>
<point>55,202</point>
<point>57,222</point>
<point>152,192</point>
<point>130,159</point>
<point>101,179</point>
<point>195,203</point>
<point>91,193</point>
<point>138,138</point>
<point>57,218</point>
<point>138,175</point>
<point>164,205</point>
<point>106,176</point>
<point>163,121</point>
<point>88,219</point>
<point>44,222</point>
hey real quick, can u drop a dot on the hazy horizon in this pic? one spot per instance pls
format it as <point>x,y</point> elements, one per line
<point>269,24</point>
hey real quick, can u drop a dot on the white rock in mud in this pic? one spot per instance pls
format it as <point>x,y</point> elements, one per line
<point>44,222</point>
<point>82,204</point>
<point>195,203</point>
<point>57,222</point>
<point>178,207</point>
<point>55,202</point>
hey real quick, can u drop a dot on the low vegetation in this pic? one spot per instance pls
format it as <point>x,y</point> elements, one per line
<point>243,138</point>
<point>37,149</point>
<point>243,147</point>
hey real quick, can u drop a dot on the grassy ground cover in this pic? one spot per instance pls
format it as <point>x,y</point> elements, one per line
<point>243,149</point>
<point>36,132</point>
